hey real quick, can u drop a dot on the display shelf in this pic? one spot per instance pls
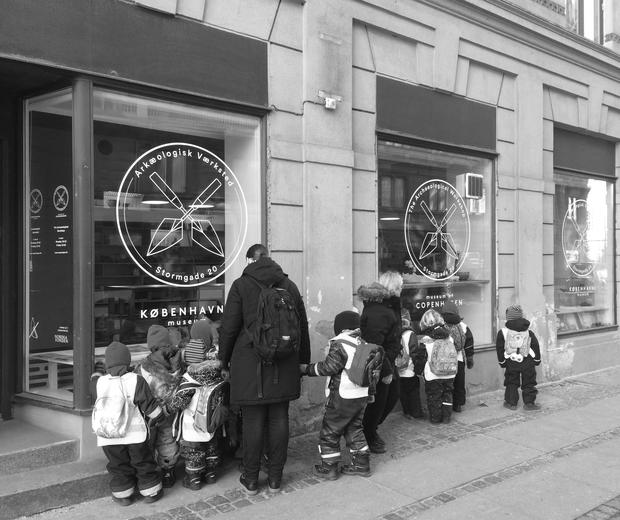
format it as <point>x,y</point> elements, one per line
<point>441,283</point>
<point>580,308</point>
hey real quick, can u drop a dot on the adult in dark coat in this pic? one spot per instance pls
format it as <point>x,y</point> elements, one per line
<point>381,324</point>
<point>263,391</point>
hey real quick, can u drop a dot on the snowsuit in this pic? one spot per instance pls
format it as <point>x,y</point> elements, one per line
<point>519,374</point>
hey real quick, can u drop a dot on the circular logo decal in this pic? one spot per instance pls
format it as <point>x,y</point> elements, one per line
<point>575,242</point>
<point>176,238</point>
<point>36,201</point>
<point>61,198</point>
<point>437,230</point>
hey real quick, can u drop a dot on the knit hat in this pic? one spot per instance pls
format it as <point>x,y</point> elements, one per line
<point>346,320</point>
<point>201,329</point>
<point>450,308</point>
<point>157,336</point>
<point>514,312</point>
<point>117,355</point>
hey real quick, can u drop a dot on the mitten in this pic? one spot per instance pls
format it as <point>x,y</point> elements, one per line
<point>470,362</point>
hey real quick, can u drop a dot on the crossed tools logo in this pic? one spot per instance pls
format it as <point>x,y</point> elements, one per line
<point>575,243</point>
<point>184,248</point>
<point>437,229</point>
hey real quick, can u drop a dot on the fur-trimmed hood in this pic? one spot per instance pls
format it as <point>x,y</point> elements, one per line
<point>375,292</point>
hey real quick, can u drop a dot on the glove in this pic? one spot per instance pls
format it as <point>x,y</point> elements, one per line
<point>470,362</point>
<point>387,379</point>
<point>303,369</point>
<point>536,363</point>
<point>225,373</point>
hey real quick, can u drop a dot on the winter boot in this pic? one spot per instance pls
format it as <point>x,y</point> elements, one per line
<point>192,480</point>
<point>360,465</point>
<point>326,470</point>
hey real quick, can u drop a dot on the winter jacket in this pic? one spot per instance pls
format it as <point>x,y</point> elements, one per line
<point>162,371</point>
<point>519,325</point>
<point>409,345</point>
<point>251,381</point>
<point>137,392</point>
<point>380,323</point>
<point>338,359</point>
<point>468,347</point>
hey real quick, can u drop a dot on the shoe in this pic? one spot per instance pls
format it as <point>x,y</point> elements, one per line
<point>457,408</point>
<point>326,470</point>
<point>531,406</point>
<point>274,485</point>
<point>168,478</point>
<point>192,481</point>
<point>210,477</point>
<point>446,419</point>
<point>376,447</point>
<point>360,465</point>
<point>510,406</point>
<point>125,501</point>
<point>154,498</point>
<point>250,486</point>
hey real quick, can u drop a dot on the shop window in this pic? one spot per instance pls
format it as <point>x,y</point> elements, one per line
<point>176,201</point>
<point>174,189</point>
<point>583,252</point>
<point>48,322</point>
<point>438,232</point>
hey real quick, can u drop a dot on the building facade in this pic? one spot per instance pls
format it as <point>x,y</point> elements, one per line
<point>144,146</point>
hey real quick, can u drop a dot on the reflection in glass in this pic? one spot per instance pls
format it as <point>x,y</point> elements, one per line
<point>437,231</point>
<point>583,257</point>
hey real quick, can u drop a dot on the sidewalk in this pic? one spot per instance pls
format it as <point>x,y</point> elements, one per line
<point>562,462</point>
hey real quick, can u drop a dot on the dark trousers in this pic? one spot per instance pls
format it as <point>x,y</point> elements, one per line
<point>385,400</point>
<point>439,399</point>
<point>342,417</point>
<point>200,456</point>
<point>458,394</point>
<point>258,420</point>
<point>131,463</point>
<point>410,396</point>
<point>520,375</point>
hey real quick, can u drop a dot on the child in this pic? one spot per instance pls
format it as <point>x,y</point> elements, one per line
<point>438,356</point>
<point>518,352</point>
<point>121,430</point>
<point>198,444</point>
<point>162,371</point>
<point>409,382</point>
<point>464,343</point>
<point>346,401</point>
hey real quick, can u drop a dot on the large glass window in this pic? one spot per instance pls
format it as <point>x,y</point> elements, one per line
<point>583,252</point>
<point>436,228</point>
<point>174,189</point>
<point>48,317</point>
<point>176,201</point>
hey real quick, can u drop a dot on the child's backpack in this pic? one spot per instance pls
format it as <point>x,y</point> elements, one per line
<point>112,411</point>
<point>276,332</point>
<point>408,343</point>
<point>457,334</point>
<point>516,343</point>
<point>366,363</point>
<point>443,360</point>
<point>212,407</point>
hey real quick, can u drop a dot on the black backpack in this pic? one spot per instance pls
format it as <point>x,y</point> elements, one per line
<point>276,331</point>
<point>366,362</point>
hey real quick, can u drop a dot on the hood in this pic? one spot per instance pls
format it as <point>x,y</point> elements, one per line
<point>450,318</point>
<point>375,292</point>
<point>438,332</point>
<point>520,324</point>
<point>266,271</point>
